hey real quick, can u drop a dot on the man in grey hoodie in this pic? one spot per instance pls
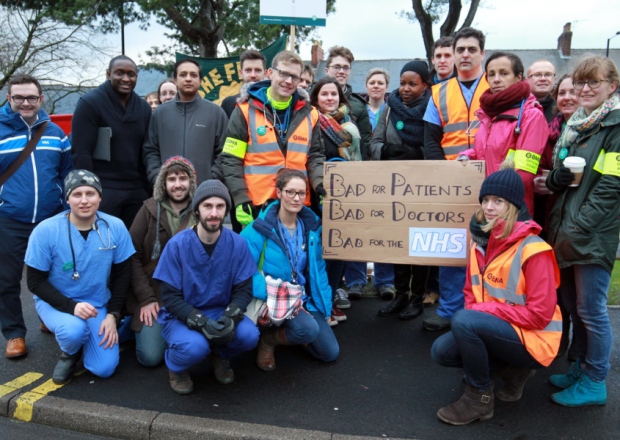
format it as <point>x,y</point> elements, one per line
<point>187,126</point>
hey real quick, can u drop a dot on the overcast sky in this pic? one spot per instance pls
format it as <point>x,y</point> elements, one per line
<point>373,30</point>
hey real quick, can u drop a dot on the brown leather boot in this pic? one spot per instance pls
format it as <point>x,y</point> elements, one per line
<point>265,359</point>
<point>473,405</point>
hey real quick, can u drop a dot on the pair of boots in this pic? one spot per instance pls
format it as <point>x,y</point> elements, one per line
<point>473,405</point>
<point>407,308</point>
<point>265,359</point>
<point>579,389</point>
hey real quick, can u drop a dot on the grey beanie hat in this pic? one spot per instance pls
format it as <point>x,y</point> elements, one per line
<point>78,178</point>
<point>211,188</point>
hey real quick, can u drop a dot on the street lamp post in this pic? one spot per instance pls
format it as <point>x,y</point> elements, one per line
<point>608,40</point>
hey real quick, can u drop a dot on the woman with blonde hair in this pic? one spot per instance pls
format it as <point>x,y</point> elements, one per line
<point>511,323</point>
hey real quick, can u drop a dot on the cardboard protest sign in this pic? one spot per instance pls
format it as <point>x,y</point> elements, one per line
<point>407,212</point>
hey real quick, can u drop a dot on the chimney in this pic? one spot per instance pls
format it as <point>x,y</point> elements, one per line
<point>564,41</point>
<point>317,54</point>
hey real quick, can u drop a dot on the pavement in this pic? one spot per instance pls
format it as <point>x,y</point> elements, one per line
<point>384,385</point>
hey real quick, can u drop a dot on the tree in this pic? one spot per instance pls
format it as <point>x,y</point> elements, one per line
<point>53,52</point>
<point>198,25</point>
<point>430,12</point>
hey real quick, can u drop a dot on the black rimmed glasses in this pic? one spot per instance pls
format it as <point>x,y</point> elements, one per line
<point>592,83</point>
<point>291,193</point>
<point>285,75</point>
<point>20,99</point>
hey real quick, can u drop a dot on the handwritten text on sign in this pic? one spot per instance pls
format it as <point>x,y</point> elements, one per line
<point>407,212</point>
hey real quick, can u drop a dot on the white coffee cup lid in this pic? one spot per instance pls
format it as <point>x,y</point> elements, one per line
<point>574,161</point>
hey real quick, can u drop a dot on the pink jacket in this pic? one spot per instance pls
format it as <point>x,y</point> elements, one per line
<point>496,136</point>
<point>539,272</point>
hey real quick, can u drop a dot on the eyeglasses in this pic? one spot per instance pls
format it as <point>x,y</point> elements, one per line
<point>285,75</point>
<point>539,75</point>
<point>21,99</point>
<point>291,193</point>
<point>338,68</point>
<point>593,84</point>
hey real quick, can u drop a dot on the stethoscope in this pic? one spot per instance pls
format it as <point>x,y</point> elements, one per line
<point>76,275</point>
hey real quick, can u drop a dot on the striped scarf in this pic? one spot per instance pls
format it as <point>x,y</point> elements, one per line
<point>337,126</point>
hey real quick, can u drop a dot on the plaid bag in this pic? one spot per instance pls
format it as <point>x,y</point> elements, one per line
<point>283,301</point>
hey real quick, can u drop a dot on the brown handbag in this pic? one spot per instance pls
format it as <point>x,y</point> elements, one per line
<point>28,149</point>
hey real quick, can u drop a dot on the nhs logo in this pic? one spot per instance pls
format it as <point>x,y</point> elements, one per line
<point>438,242</point>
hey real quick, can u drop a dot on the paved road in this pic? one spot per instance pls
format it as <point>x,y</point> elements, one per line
<point>383,385</point>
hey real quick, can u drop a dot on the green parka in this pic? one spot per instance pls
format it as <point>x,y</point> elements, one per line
<point>585,220</point>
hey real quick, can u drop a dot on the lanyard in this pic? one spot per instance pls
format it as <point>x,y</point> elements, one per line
<point>292,245</point>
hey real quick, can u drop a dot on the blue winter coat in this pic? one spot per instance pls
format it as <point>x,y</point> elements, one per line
<point>35,191</point>
<point>276,263</point>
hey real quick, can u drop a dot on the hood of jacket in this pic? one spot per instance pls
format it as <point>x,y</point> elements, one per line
<point>14,120</point>
<point>522,229</point>
<point>159,189</point>
<point>267,219</point>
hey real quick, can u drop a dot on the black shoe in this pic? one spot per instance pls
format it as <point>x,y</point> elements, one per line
<point>413,309</point>
<point>396,305</point>
<point>65,367</point>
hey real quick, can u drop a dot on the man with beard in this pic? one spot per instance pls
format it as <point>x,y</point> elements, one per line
<point>205,275</point>
<point>160,217</point>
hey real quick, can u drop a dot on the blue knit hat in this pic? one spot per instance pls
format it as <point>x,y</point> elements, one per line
<point>506,184</point>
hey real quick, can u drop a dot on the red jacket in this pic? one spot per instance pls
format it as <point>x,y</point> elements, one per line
<point>496,136</point>
<point>539,270</point>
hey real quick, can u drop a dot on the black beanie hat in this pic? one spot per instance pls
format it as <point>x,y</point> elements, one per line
<point>419,67</point>
<point>211,188</point>
<point>505,183</point>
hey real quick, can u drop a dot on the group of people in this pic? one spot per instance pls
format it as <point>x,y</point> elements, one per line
<point>106,262</point>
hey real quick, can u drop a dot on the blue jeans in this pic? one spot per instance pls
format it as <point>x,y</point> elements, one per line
<point>312,330</point>
<point>355,274</point>
<point>451,285</point>
<point>150,345</point>
<point>481,344</point>
<point>583,290</point>
<point>14,240</point>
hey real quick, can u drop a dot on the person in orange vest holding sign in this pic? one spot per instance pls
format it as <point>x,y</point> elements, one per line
<point>449,129</point>
<point>273,127</point>
<point>511,323</point>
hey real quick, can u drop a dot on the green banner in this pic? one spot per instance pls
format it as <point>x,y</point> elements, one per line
<point>221,75</point>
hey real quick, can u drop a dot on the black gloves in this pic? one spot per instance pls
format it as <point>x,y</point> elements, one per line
<point>233,311</point>
<point>559,179</point>
<point>221,331</point>
<point>320,190</point>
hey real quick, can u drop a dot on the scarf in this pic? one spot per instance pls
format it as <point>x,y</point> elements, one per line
<point>479,237</point>
<point>337,126</point>
<point>493,104</point>
<point>409,120</point>
<point>580,124</point>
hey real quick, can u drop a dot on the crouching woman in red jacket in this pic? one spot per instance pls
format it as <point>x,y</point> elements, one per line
<point>511,323</point>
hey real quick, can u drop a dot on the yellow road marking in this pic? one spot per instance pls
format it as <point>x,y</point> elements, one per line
<point>25,402</point>
<point>18,383</point>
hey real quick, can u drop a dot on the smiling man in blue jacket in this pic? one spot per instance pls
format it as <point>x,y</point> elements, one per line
<point>31,194</point>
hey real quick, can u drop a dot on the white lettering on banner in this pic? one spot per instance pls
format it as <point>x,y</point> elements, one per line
<point>438,242</point>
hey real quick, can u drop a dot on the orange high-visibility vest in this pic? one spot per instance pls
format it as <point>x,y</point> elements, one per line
<point>457,118</point>
<point>503,281</point>
<point>263,157</point>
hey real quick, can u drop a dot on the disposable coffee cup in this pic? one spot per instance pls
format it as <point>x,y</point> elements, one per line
<point>576,165</point>
<point>545,173</point>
